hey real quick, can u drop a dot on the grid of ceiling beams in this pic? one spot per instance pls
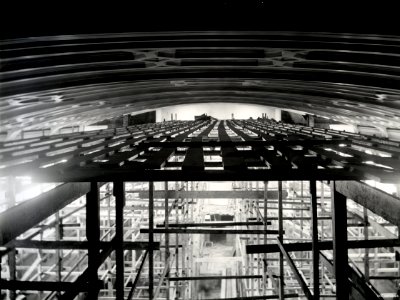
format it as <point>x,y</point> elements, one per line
<point>204,150</point>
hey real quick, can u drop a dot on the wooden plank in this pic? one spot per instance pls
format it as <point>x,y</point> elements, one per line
<point>137,277</point>
<point>194,159</point>
<point>167,252</point>
<point>383,204</point>
<point>39,285</point>
<point>227,142</point>
<point>269,156</point>
<point>216,277</point>
<point>212,224</point>
<point>231,159</point>
<point>79,156</point>
<point>327,263</point>
<point>32,212</point>
<point>298,158</point>
<point>119,194</point>
<point>280,239</point>
<point>53,245</point>
<point>83,278</point>
<point>172,194</point>
<point>323,245</point>
<point>339,234</point>
<point>314,235</point>
<point>131,174</point>
<point>357,281</point>
<point>119,158</point>
<point>151,239</point>
<point>159,158</point>
<point>393,162</point>
<point>93,237</point>
<point>295,271</point>
<point>208,231</point>
<point>292,295</point>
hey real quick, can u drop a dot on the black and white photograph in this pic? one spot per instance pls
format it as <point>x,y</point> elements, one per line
<point>190,150</point>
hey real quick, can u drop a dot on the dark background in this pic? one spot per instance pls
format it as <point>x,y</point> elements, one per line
<point>35,18</point>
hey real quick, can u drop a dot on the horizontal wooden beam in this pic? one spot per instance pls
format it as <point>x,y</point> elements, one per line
<point>216,277</point>
<point>383,204</point>
<point>40,285</point>
<point>216,224</point>
<point>80,174</point>
<point>296,218</point>
<point>208,231</point>
<point>158,207</point>
<point>322,245</point>
<point>384,277</point>
<point>79,245</point>
<point>172,194</point>
<point>230,143</point>
<point>292,295</point>
<point>18,219</point>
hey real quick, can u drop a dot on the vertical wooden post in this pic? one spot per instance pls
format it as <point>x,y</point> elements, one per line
<point>183,252</point>
<point>265,235</point>
<point>59,252</point>
<point>93,237</point>
<point>314,234</point>
<point>151,238</point>
<point>310,121</point>
<point>302,255</point>
<point>251,240</point>
<point>119,194</point>
<point>323,210</point>
<point>339,231</point>
<point>366,253</point>
<point>167,254</point>
<point>11,199</point>
<point>177,202</point>
<point>280,236</point>
<point>258,241</point>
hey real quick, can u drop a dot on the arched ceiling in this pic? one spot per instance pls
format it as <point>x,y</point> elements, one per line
<point>56,81</point>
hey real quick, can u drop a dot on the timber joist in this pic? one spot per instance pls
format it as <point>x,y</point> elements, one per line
<point>244,150</point>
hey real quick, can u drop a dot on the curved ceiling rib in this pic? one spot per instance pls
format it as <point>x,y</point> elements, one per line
<point>81,79</point>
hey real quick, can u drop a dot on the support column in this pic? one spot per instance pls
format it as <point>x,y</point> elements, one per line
<point>366,250</point>
<point>151,238</point>
<point>177,202</point>
<point>339,231</point>
<point>314,234</point>
<point>167,254</point>
<point>258,240</point>
<point>310,121</point>
<point>125,120</point>
<point>10,196</point>
<point>265,215</point>
<point>93,237</point>
<point>119,194</point>
<point>59,252</point>
<point>280,236</point>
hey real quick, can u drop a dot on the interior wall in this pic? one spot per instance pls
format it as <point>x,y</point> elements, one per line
<point>343,127</point>
<point>216,110</point>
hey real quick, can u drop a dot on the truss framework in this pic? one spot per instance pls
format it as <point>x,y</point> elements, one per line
<point>135,243</point>
<point>204,151</point>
